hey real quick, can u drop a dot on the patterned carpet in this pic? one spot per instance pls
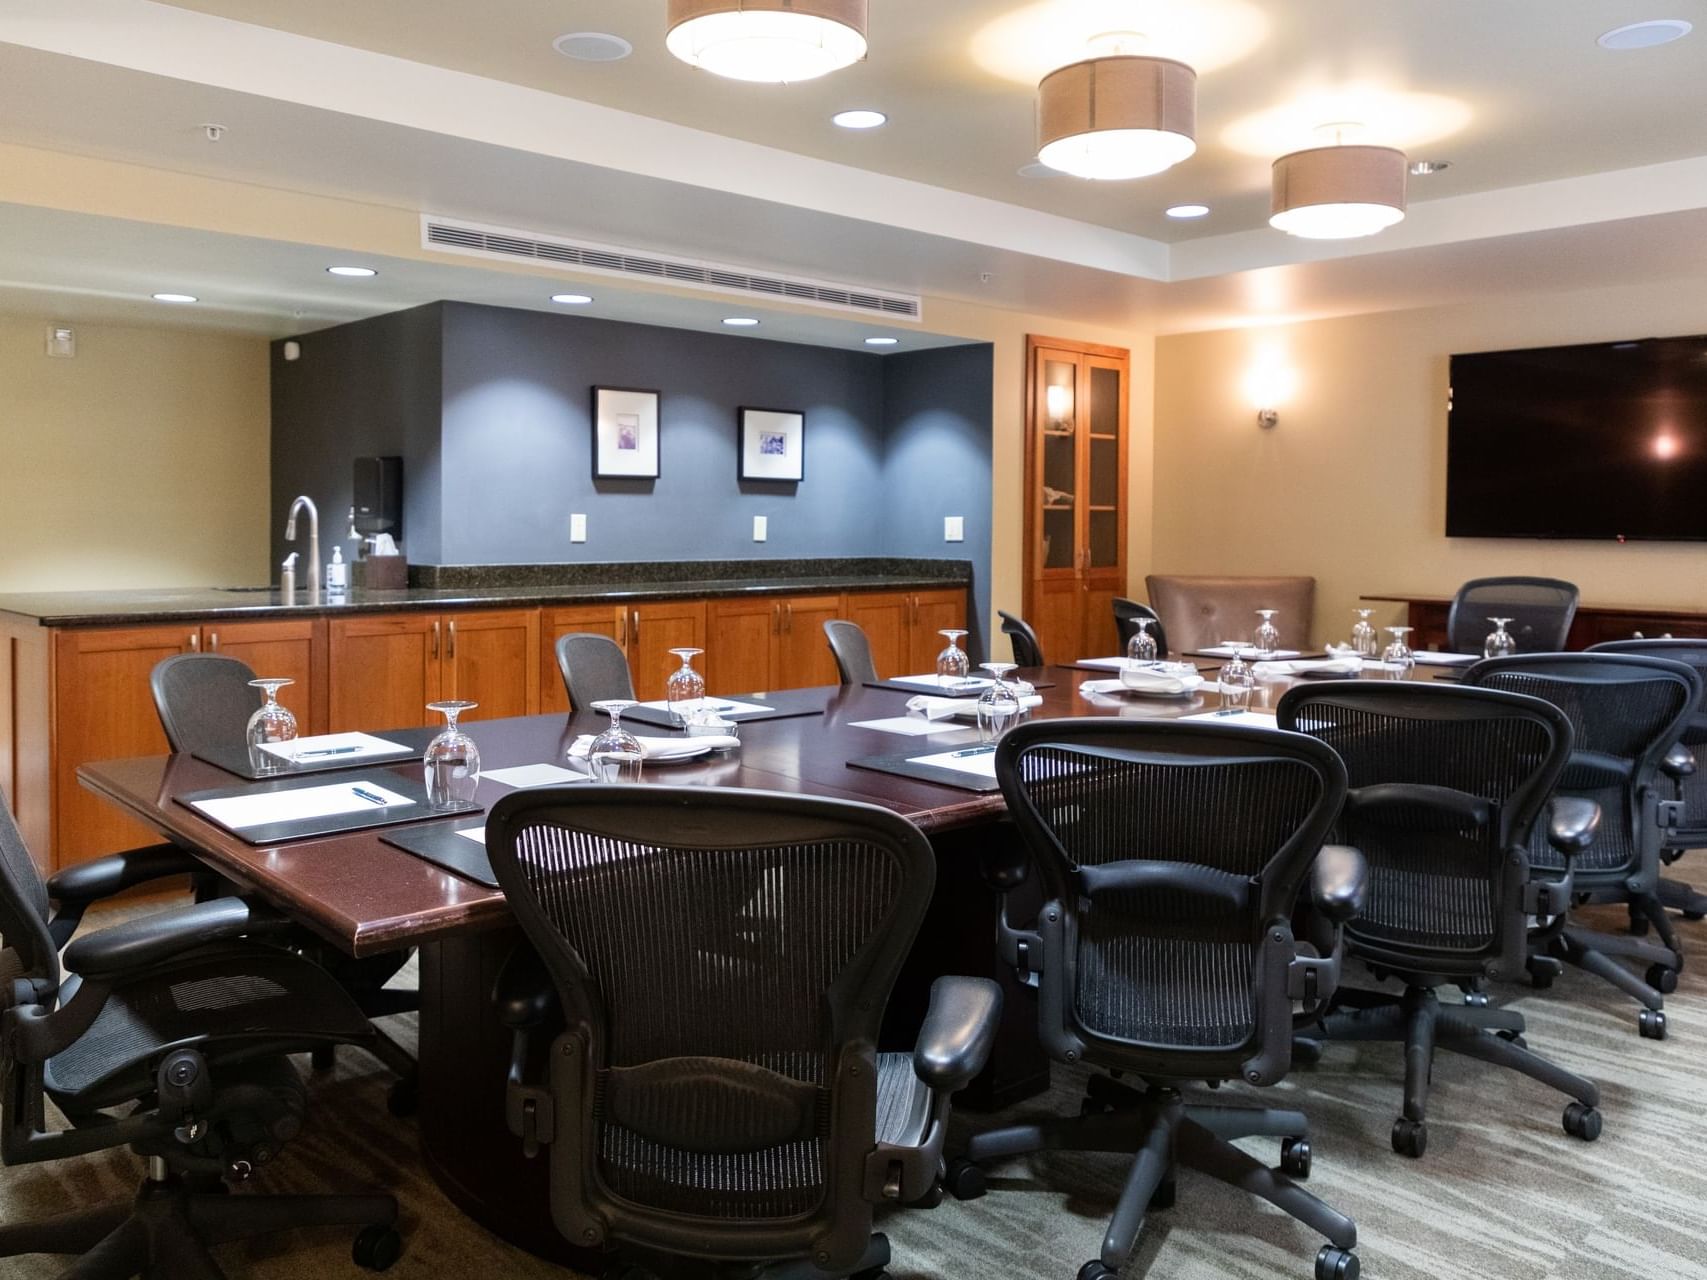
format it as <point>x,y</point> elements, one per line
<point>1502,1192</point>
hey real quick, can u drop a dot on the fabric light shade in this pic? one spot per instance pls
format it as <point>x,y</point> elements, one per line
<point>767,41</point>
<point>1117,117</point>
<point>1338,193</point>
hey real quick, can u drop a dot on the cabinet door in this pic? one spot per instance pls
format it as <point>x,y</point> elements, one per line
<point>885,616</point>
<point>295,649</point>
<point>490,659</point>
<point>1058,615</point>
<point>104,710</point>
<point>932,612</point>
<point>601,619</point>
<point>382,671</point>
<point>803,651</point>
<point>655,629</point>
<point>742,637</point>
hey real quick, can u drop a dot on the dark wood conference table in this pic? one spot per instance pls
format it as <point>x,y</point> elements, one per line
<point>367,897</point>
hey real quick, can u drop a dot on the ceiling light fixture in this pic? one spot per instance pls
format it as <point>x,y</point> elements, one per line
<point>1423,168</point>
<point>1338,192</point>
<point>572,299</point>
<point>1117,115</point>
<point>767,41</point>
<point>1645,35</point>
<point>352,273</point>
<point>881,342</point>
<point>592,46</point>
<point>1188,211</point>
<point>741,322</point>
<point>859,119</point>
<point>176,297</point>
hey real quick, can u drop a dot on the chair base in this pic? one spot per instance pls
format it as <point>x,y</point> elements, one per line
<point>646,1265</point>
<point>1424,1025</point>
<point>168,1228</point>
<point>1600,953</point>
<point>1683,898</point>
<point>1163,1133</point>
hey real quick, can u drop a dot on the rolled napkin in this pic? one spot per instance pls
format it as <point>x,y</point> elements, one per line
<point>946,708</point>
<point>661,748</point>
<point>1349,666</point>
<point>1153,682</point>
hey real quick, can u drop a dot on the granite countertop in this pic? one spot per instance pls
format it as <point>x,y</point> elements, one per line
<point>239,604</point>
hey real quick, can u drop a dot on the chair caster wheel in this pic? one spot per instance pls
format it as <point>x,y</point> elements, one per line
<point>1166,1192</point>
<point>1661,978</point>
<point>1652,1024</point>
<point>1306,1053</point>
<point>1582,1122</point>
<point>1295,1158</point>
<point>323,1057</point>
<point>1513,1037</point>
<point>1096,1270</point>
<point>965,1180</point>
<point>1540,977</point>
<point>1337,1264</point>
<point>931,1199</point>
<point>1091,1107</point>
<point>403,1098</point>
<point>1694,916</point>
<point>376,1248</point>
<point>876,1273</point>
<point>1410,1137</point>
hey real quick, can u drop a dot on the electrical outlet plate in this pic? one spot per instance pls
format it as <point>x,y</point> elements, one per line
<point>761,528</point>
<point>577,528</point>
<point>61,341</point>
<point>954,528</point>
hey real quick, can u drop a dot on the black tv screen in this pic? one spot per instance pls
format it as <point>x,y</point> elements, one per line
<point>1606,440</point>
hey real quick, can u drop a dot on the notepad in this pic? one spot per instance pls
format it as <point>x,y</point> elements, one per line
<point>534,775</point>
<point>724,706</point>
<point>1432,658</point>
<point>239,813</point>
<point>978,760</point>
<point>476,834</point>
<point>1251,719</point>
<point>966,684</point>
<point>351,747</point>
<point>912,726</point>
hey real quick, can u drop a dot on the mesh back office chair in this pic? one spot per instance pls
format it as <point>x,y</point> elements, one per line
<point>1170,858</point>
<point>722,960</point>
<point>1687,768</point>
<point>852,652</point>
<point>1126,613</point>
<point>180,1021</point>
<point>1028,652</point>
<point>595,669</point>
<point>1540,609</point>
<point>1445,785</point>
<point>1627,712</point>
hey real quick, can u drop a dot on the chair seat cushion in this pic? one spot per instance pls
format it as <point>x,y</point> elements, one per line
<point>1166,991</point>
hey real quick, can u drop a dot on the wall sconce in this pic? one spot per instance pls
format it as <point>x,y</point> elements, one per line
<point>1058,403</point>
<point>1268,419</point>
<point>1269,384</point>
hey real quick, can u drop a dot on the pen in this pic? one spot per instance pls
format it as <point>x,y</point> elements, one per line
<point>1229,711</point>
<point>971,751</point>
<point>370,796</point>
<point>326,751</point>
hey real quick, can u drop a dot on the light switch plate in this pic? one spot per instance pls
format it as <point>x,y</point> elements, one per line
<point>577,528</point>
<point>761,528</point>
<point>954,528</point>
<point>61,341</point>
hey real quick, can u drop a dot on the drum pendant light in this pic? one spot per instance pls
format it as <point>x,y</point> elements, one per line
<point>1338,192</point>
<point>767,41</point>
<point>1117,117</point>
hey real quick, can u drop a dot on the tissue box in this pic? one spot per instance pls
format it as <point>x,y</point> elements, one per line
<point>381,573</point>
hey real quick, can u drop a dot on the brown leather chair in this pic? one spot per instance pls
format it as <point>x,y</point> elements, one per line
<point>1202,611</point>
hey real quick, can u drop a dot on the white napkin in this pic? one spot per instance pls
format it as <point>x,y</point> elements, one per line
<point>662,748</point>
<point>1145,682</point>
<point>946,708</point>
<point>1273,670</point>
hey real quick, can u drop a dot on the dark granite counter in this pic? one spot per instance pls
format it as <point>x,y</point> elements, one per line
<point>488,586</point>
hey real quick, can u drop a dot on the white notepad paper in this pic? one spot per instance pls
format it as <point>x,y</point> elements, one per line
<point>978,760</point>
<point>725,706</point>
<point>325,747</point>
<point>534,775</point>
<point>943,682</point>
<point>265,808</point>
<point>912,726</point>
<point>476,834</point>
<point>1252,719</point>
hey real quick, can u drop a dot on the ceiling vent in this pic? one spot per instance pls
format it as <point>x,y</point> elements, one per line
<point>509,245</point>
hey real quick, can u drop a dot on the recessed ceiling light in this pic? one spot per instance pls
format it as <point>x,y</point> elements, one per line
<point>1189,211</point>
<point>1422,168</point>
<point>741,322</point>
<point>860,119</point>
<point>881,342</point>
<point>357,273</point>
<point>592,46</point>
<point>572,299</point>
<point>176,297</point>
<point>1645,35</point>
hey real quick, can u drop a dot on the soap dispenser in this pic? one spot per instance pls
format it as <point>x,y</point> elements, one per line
<point>287,579</point>
<point>338,572</point>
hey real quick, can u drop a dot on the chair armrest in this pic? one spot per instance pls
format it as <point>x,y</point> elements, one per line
<point>89,881</point>
<point>141,943</point>
<point>958,1033</point>
<point>523,993</point>
<point>1572,823</point>
<point>1679,762</point>
<point>1339,881</point>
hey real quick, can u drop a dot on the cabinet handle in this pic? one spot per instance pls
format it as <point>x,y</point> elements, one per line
<point>435,637</point>
<point>776,620</point>
<point>788,618</point>
<point>622,627</point>
<point>453,639</point>
<point>195,642</point>
<point>213,641</point>
<point>636,625</point>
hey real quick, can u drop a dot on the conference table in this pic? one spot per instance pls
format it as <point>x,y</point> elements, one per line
<point>366,897</point>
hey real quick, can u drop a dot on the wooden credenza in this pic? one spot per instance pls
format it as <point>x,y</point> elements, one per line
<point>1594,624</point>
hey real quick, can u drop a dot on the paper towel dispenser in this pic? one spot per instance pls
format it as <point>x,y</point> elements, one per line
<point>379,496</point>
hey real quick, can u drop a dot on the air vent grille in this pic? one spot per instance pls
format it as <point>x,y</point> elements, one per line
<point>510,245</point>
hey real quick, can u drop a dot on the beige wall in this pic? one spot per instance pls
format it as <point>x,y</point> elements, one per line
<point>1351,487</point>
<point>141,462</point>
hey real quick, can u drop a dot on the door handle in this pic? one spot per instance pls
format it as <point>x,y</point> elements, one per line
<point>195,642</point>
<point>636,625</point>
<point>776,620</point>
<point>213,641</point>
<point>453,639</point>
<point>622,627</point>
<point>788,618</point>
<point>435,637</point>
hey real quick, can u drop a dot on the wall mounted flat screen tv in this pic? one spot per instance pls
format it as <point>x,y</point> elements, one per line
<point>1607,440</point>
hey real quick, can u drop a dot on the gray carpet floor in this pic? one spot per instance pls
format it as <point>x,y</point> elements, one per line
<point>1502,1193</point>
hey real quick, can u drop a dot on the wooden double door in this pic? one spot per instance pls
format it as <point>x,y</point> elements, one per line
<point>385,668</point>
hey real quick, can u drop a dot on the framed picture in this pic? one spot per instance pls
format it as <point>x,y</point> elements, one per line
<point>773,444</point>
<point>625,434</point>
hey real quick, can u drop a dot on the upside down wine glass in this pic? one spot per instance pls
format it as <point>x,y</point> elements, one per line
<point>952,664</point>
<point>1398,655</point>
<point>998,706</point>
<point>1267,635</point>
<point>1142,646</point>
<point>452,761</point>
<point>685,689</point>
<point>1236,680</point>
<point>1363,637</point>
<point>1500,643</point>
<point>615,755</point>
<point>271,725</point>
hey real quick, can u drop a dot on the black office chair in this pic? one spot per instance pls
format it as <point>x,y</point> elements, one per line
<point>1627,712</point>
<point>1126,612</point>
<point>595,669</point>
<point>1540,609</point>
<point>168,1034</point>
<point>1446,784</point>
<point>1688,769</point>
<point>715,969</point>
<point>852,652</point>
<point>1170,858</point>
<point>1028,652</point>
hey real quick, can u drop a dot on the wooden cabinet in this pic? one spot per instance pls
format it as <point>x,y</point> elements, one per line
<point>932,612</point>
<point>1077,430</point>
<point>756,645</point>
<point>293,648</point>
<point>655,629</point>
<point>901,627</point>
<point>554,623</point>
<point>490,659</point>
<point>384,669</point>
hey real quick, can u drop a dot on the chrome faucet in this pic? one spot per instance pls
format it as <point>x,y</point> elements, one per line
<point>313,541</point>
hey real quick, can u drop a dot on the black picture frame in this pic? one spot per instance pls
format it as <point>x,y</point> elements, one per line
<point>770,445</point>
<point>626,421</point>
